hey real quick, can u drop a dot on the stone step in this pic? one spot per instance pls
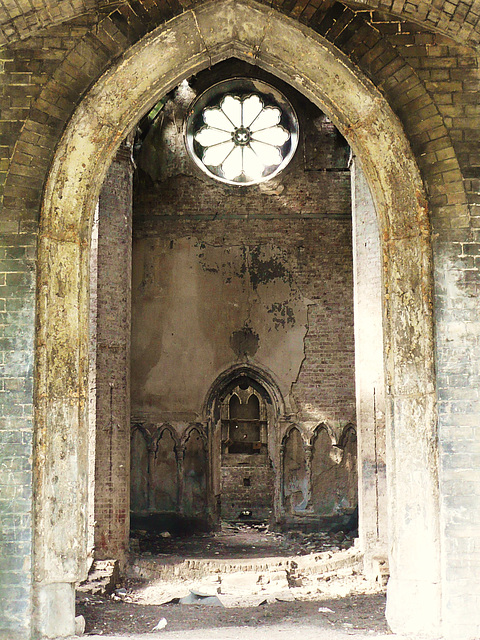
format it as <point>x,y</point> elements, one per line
<point>174,567</point>
<point>103,577</point>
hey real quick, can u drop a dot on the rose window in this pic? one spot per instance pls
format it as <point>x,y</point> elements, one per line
<point>242,132</point>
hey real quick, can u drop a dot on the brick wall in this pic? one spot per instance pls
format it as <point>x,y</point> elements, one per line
<point>255,496</point>
<point>113,360</point>
<point>305,215</point>
<point>17,260</point>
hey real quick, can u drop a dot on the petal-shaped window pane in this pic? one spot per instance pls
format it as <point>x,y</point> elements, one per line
<point>273,135</point>
<point>233,165</point>
<point>217,119</point>
<point>252,165</point>
<point>232,108</point>
<point>208,136</point>
<point>268,118</point>
<point>214,156</point>
<point>252,106</point>
<point>270,156</point>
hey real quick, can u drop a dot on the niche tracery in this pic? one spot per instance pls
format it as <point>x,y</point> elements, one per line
<point>244,421</point>
<point>246,470</point>
<point>169,470</point>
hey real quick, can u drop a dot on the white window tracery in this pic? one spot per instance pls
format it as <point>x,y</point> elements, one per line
<point>243,137</point>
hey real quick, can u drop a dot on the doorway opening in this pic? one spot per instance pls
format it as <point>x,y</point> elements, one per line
<point>230,275</point>
<point>385,188</point>
<point>247,478</point>
<point>258,279</point>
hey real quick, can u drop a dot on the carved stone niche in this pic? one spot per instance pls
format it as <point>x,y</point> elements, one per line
<point>244,421</point>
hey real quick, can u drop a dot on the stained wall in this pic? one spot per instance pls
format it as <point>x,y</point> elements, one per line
<point>226,275</point>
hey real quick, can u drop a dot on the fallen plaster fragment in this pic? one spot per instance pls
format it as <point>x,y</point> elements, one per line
<point>161,624</point>
<point>195,597</point>
<point>79,625</point>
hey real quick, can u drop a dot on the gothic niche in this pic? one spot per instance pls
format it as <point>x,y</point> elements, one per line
<point>319,476</point>
<point>295,474</point>
<point>246,470</point>
<point>334,473</point>
<point>194,503</point>
<point>164,476</point>
<point>326,492</point>
<point>139,472</point>
<point>154,471</point>
<point>169,478</point>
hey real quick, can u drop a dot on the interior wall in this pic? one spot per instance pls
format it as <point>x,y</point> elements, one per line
<point>224,275</point>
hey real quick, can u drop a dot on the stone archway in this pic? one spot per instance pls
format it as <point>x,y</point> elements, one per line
<point>188,43</point>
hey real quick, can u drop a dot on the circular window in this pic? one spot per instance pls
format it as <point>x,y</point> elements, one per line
<point>242,131</point>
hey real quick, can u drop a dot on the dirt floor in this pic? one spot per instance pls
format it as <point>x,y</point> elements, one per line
<point>353,614</point>
<point>242,577</point>
<point>235,541</point>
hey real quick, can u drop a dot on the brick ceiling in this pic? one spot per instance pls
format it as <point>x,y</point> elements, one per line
<point>19,19</point>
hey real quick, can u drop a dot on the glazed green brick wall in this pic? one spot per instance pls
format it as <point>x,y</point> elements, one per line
<point>450,73</point>
<point>17,310</point>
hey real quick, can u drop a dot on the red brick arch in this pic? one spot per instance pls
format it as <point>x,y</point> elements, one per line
<point>462,22</point>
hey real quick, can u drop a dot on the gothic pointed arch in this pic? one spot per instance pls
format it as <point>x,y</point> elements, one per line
<point>348,431</point>
<point>323,427</point>
<point>295,480</point>
<point>262,379</point>
<point>195,470</point>
<point>101,121</point>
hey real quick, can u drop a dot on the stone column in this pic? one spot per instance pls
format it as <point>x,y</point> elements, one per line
<point>280,502</point>
<point>369,374</point>
<point>180,456</point>
<point>308,449</point>
<point>112,467</point>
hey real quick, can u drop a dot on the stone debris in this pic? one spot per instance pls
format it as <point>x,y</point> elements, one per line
<point>161,624</point>
<point>294,577</point>
<point>195,597</point>
<point>103,577</point>
<point>79,625</point>
<point>245,566</point>
<point>295,542</point>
